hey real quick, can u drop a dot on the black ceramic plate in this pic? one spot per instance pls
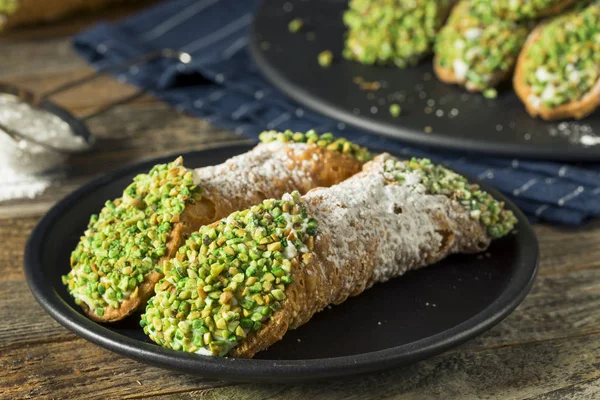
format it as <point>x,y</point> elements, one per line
<point>457,120</point>
<point>399,322</point>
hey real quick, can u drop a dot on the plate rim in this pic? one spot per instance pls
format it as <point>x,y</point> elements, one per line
<point>408,135</point>
<point>259,370</point>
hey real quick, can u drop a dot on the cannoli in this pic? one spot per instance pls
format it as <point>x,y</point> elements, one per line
<point>558,72</point>
<point>476,50</point>
<point>117,262</point>
<point>27,12</point>
<point>393,31</point>
<point>239,284</point>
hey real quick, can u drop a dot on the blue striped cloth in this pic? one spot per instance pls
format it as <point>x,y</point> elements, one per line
<point>223,86</point>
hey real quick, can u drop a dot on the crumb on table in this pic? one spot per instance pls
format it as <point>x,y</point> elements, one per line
<point>295,25</point>
<point>325,58</point>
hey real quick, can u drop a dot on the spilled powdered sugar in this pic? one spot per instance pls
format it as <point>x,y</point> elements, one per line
<point>576,132</point>
<point>17,185</point>
<point>364,210</point>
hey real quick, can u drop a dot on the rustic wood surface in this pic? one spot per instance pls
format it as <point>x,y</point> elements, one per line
<point>549,348</point>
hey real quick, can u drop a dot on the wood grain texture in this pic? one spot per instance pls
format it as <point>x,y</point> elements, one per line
<point>73,369</point>
<point>21,59</point>
<point>77,22</point>
<point>548,349</point>
<point>29,323</point>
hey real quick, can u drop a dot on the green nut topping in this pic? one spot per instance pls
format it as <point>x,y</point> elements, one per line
<point>123,243</point>
<point>395,110</point>
<point>477,48</point>
<point>8,7</point>
<point>563,64</point>
<point>230,277</point>
<point>326,141</point>
<point>325,58</point>
<point>437,179</point>
<point>517,10</point>
<point>490,93</point>
<point>295,25</point>
<point>396,32</point>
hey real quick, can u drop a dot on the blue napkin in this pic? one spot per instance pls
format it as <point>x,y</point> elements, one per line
<point>223,86</point>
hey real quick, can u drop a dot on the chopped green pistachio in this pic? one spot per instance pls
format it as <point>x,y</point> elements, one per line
<point>437,179</point>
<point>395,110</point>
<point>325,58</point>
<point>490,93</point>
<point>222,295</point>
<point>517,10</point>
<point>123,243</point>
<point>8,6</point>
<point>478,48</point>
<point>295,25</point>
<point>395,32</point>
<point>561,66</point>
<point>326,140</point>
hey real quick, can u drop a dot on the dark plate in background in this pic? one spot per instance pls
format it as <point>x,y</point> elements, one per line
<point>404,320</point>
<point>458,120</point>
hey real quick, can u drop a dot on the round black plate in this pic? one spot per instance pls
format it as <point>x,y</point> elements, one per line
<point>399,322</point>
<point>457,120</point>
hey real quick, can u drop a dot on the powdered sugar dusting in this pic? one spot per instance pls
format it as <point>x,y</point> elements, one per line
<point>368,215</point>
<point>256,170</point>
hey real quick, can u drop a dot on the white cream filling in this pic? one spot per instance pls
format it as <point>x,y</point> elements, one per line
<point>543,75</point>
<point>460,68</point>
<point>473,33</point>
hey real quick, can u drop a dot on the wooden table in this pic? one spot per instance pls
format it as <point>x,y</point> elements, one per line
<point>549,348</point>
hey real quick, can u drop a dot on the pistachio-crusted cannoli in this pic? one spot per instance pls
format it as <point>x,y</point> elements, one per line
<point>558,71</point>
<point>519,10</point>
<point>393,31</point>
<point>239,284</point>
<point>27,12</point>
<point>118,259</point>
<point>477,50</point>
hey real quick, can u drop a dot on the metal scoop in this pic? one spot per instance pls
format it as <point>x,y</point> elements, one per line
<point>77,124</point>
